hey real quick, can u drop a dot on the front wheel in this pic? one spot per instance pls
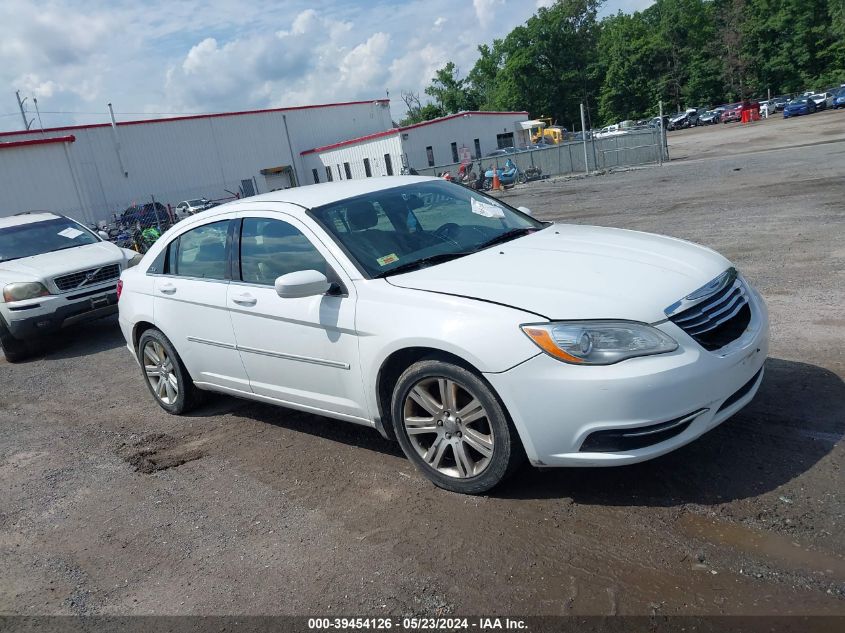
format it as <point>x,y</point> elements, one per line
<point>451,425</point>
<point>15,350</point>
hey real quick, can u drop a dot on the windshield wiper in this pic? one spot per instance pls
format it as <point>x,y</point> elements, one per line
<point>507,236</point>
<point>421,263</point>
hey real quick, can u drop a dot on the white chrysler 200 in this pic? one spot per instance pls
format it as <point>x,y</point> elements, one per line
<point>470,332</point>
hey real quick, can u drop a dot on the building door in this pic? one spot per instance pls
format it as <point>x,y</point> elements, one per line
<point>276,181</point>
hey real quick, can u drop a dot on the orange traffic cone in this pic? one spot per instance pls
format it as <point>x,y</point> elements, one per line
<point>496,184</point>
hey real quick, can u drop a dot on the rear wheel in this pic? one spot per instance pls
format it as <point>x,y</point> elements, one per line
<point>451,425</point>
<point>165,374</point>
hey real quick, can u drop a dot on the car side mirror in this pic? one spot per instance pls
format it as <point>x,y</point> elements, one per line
<point>103,235</point>
<point>525,210</point>
<point>302,283</point>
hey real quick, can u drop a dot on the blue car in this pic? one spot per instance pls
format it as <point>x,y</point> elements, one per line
<point>839,99</point>
<point>799,106</point>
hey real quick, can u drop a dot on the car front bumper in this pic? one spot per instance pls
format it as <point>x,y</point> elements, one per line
<point>556,406</point>
<point>46,315</point>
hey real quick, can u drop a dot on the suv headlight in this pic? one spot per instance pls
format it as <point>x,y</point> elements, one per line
<point>24,290</point>
<point>598,342</point>
<point>134,260</point>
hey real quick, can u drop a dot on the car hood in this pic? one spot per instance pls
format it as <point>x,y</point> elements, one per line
<point>577,272</point>
<point>49,265</point>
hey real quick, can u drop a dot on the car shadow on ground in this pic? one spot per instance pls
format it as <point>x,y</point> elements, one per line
<point>316,425</point>
<point>77,341</point>
<point>793,422</point>
<point>83,339</point>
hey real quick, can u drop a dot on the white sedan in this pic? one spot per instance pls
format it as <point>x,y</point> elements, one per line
<point>470,332</point>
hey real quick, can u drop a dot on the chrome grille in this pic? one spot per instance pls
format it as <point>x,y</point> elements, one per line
<point>84,278</point>
<point>716,314</point>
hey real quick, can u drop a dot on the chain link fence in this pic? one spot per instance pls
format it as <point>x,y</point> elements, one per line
<point>628,148</point>
<point>138,225</point>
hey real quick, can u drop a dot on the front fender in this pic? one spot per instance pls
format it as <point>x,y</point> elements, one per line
<point>390,319</point>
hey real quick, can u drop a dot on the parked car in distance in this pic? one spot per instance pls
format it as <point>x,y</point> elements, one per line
<point>53,272</point>
<point>799,106</point>
<point>413,306</point>
<point>732,113</point>
<point>711,117</point>
<point>839,99</point>
<point>147,215</point>
<point>190,207</point>
<point>610,131</point>
<point>679,121</point>
<point>823,100</point>
<point>780,103</point>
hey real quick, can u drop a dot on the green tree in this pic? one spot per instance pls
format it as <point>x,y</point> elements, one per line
<point>450,93</point>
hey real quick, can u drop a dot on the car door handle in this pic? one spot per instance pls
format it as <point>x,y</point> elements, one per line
<point>167,289</point>
<point>245,300</point>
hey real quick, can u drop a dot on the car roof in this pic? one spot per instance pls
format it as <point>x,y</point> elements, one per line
<point>27,218</point>
<point>312,196</point>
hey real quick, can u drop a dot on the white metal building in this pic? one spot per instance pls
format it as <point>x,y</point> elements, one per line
<point>433,143</point>
<point>93,171</point>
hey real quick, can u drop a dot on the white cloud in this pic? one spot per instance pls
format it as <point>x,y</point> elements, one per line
<point>488,11</point>
<point>160,56</point>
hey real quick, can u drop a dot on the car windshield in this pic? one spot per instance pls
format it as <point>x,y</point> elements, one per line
<point>35,238</point>
<point>402,228</point>
<point>801,101</point>
<point>195,203</point>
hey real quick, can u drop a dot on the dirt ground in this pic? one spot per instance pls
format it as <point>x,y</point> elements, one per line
<point>110,506</point>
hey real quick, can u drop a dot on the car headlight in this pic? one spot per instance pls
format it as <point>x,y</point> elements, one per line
<point>135,260</point>
<point>24,290</point>
<point>598,342</point>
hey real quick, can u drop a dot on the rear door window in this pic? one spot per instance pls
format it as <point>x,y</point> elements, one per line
<point>201,252</point>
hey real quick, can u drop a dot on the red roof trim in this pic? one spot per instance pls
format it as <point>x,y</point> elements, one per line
<point>360,139</point>
<point>39,141</point>
<point>370,137</point>
<point>457,116</point>
<point>189,117</point>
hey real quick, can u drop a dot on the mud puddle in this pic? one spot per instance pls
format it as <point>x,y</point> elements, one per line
<point>156,452</point>
<point>775,550</point>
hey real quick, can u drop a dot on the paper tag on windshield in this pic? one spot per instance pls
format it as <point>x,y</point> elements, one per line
<point>70,233</point>
<point>387,259</point>
<point>487,210</point>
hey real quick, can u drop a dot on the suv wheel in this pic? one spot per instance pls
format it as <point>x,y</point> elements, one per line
<point>165,374</point>
<point>451,425</point>
<point>14,349</point>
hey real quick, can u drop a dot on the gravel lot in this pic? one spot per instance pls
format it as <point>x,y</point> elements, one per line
<point>110,506</point>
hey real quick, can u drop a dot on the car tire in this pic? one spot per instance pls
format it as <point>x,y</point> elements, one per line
<point>14,349</point>
<point>468,456</point>
<point>165,375</point>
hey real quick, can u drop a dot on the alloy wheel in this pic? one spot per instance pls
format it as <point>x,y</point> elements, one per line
<point>158,367</point>
<point>448,427</point>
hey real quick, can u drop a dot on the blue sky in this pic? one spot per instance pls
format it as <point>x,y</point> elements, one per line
<point>160,57</point>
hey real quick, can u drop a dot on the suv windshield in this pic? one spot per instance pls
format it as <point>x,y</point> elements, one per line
<point>399,229</point>
<point>35,238</point>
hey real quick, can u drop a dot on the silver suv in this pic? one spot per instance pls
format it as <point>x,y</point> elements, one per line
<point>53,272</point>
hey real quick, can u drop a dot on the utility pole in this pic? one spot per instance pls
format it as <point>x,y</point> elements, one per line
<point>584,138</point>
<point>116,139</point>
<point>23,112</point>
<point>38,112</point>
